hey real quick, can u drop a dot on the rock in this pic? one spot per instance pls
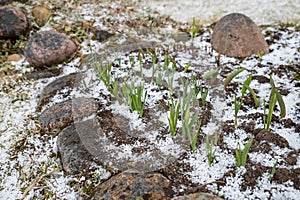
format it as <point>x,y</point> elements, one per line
<point>197,196</point>
<point>236,35</point>
<point>101,35</point>
<point>13,22</point>
<point>60,115</point>
<point>47,48</point>
<point>74,157</point>
<point>180,36</point>
<point>132,185</point>
<point>13,57</point>
<point>68,81</point>
<point>9,1</point>
<point>41,15</point>
<point>40,74</point>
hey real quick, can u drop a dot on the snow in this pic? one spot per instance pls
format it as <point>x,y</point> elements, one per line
<point>17,124</point>
<point>202,173</point>
<point>266,12</point>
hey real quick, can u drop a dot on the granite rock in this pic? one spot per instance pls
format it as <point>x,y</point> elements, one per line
<point>134,185</point>
<point>13,22</point>
<point>55,118</point>
<point>47,48</point>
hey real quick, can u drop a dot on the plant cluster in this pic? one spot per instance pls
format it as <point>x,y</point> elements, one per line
<point>245,87</point>
<point>241,155</point>
<point>173,116</point>
<point>210,149</point>
<point>275,97</point>
<point>195,28</point>
<point>134,97</point>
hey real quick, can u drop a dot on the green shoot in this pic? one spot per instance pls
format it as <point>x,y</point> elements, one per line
<point>187,67</point>
<point>237,106</point>
<point>137,100</point>
<point>173,63</point>
<point>296,76</point>
<point>189,129</point>
<point>194,29</point>
<point>273,171</point>
<point>260,55</point>
<point>119,61</point>
<point>256,100</point>
<point>241,156</point>
<point>104,73</point>
<point>197,85</point>
<point>131,60</point>
<point>159,79</point>
<point>204,93</point>
<point>275,96</point>
<point>272,103</point>
<point>278,98</point>
<point>199,88</point>
<point>210,151</point>
<point>116,92</point>
<point>245,87</point>
<point>264,117</point>
<point>154,63</point>
<point>246,83</point>
<point>187,96</point>
<point>105,76</point>
<point>154,69</point>
<point>166,61</point>
<point>126,92</point>
<point>231,76</point>
<point>139,198</point>
<point>193,136</point>
<point>211,73</point>
<point>173,117</point>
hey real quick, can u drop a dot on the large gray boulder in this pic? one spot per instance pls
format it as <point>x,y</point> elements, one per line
<point>47,48</point>
<point>236,35</point>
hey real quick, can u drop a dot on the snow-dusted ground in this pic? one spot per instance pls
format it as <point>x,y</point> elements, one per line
<point>28,162</point>
<point>208,11</point>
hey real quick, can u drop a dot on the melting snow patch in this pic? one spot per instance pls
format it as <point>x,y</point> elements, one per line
<point>200,170</point>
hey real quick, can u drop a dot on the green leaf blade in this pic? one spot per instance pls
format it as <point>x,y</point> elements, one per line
<point>231,76</point>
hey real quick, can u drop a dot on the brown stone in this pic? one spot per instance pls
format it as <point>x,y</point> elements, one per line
<point>46,48</point>
<point>236,35</point>
<point>134,185</point>
<point>41,15</point>
<point>13,57</point>
<point>13,22</point>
